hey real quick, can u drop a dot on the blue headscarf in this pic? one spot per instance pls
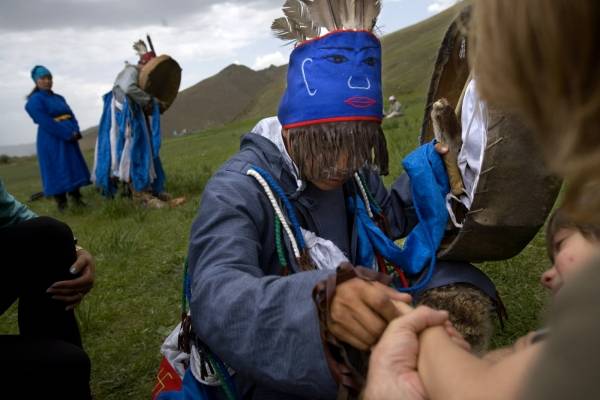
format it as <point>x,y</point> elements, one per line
<point>39,71</point>
<point>336,77</point>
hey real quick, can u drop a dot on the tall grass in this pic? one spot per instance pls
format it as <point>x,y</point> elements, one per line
<point>139,254</point>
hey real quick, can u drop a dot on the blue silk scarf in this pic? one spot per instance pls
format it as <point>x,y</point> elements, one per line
<point>429,183</point>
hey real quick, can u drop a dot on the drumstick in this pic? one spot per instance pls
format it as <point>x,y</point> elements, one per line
<point>447,132</point>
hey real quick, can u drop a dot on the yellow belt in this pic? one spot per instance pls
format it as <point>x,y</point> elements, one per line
<point>63,117</point>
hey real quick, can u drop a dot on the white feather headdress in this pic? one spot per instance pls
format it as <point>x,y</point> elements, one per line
<point>306,19</point>
<point>140,47</point>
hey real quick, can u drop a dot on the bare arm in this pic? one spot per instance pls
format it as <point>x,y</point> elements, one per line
<point>449,372</point>
<point>521,344</point>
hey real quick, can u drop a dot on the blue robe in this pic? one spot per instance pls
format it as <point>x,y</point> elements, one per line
<point>145,171</point>
<point>62,166</point>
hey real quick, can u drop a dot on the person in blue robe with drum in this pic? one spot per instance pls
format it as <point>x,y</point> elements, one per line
<point>62,166</point>
<point>129,138</point>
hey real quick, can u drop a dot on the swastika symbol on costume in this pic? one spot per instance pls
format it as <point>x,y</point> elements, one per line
<point>162,376</point>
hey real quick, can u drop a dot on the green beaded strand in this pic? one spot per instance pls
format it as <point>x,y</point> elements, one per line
<point>228,393</point>
<point>278,244</point>
<point>368,192</point>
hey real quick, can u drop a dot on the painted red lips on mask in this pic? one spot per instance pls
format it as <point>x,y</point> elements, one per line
<point>360,101</point>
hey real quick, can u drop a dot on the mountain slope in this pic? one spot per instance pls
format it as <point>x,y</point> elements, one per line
<point>239,93</point>
<point>216,100</point>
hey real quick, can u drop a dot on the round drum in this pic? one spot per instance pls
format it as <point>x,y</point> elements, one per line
<point>161,77</point>
<point>515,192</point>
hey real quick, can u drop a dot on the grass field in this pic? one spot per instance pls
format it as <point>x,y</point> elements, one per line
<point>140,252</point>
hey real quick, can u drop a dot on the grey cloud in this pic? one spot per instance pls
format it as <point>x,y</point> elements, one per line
<point>20,15</point>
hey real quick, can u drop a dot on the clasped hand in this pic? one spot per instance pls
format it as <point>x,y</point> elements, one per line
<point>361,310</point>
<point>371,316</point>
<point>393,363</point>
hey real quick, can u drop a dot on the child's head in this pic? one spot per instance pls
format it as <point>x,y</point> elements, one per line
<point>570,246</point>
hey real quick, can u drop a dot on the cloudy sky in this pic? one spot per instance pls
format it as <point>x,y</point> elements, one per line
<point>85,42</point>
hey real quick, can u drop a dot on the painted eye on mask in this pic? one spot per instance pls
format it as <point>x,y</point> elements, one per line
<point>337,58</point>
<point>370,61</point>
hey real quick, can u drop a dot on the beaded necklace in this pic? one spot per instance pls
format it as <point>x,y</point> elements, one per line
<point>294,233</point>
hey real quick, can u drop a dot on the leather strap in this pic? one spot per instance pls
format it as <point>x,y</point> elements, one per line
<point>350,378</point>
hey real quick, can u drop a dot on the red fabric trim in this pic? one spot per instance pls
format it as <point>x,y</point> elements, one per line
<point>147,57</point>
<point>333,119</point>
<point>298,44</point>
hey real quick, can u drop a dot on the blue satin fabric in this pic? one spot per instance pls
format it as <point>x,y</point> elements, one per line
<point>430,185</point>
<point>145,147</point>
<point>102,168</point>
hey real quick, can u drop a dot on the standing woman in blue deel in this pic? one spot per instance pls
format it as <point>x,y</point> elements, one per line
<point>62,166</point>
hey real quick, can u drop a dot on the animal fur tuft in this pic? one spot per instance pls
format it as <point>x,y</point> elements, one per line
<point>470,312</point>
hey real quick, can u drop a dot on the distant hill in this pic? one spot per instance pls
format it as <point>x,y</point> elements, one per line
<point>239,93</point>
<point>18,150</point>
<point>222,98</point>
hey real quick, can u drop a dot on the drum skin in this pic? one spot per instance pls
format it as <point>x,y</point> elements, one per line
<point>161,77</point>
<point>515,192</point>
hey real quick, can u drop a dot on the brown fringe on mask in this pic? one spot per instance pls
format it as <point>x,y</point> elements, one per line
<point>338,149</point>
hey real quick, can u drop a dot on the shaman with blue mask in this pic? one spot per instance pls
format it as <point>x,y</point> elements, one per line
<point>300,204</point>
<point>333,103</point>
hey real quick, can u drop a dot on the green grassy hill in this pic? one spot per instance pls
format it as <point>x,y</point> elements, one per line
<point>217,100</point>
<point>238,93</point>
<point>140,252</point>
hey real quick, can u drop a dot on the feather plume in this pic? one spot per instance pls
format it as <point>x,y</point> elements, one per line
<point>284,30</point>
<point>305,18</point>
<point>297,23</point>
<point>323,13</point>
<point>140,47</point>
<point>345,14</point>
<point>298,12</point>
<point>368,11</point>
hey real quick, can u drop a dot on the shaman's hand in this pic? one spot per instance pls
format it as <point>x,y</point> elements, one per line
<point>360,311</point>
<point>441,149</point>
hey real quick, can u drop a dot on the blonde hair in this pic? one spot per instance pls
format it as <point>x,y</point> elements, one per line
<point>541,59</point>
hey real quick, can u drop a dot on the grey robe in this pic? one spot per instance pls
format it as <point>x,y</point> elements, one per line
<point>264,325</point>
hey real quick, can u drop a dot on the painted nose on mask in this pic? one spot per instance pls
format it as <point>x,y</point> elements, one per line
<point>359,83</point>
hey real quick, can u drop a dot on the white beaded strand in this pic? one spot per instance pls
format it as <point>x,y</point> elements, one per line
<point>277,209</point>
<point>364,195</point>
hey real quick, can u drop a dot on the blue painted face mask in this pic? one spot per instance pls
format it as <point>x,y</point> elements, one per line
<point>336,77</point>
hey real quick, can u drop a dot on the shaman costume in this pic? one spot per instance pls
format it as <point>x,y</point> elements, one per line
<point>128,144</point>
<point>62,166</point>
<point>272,222</point>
